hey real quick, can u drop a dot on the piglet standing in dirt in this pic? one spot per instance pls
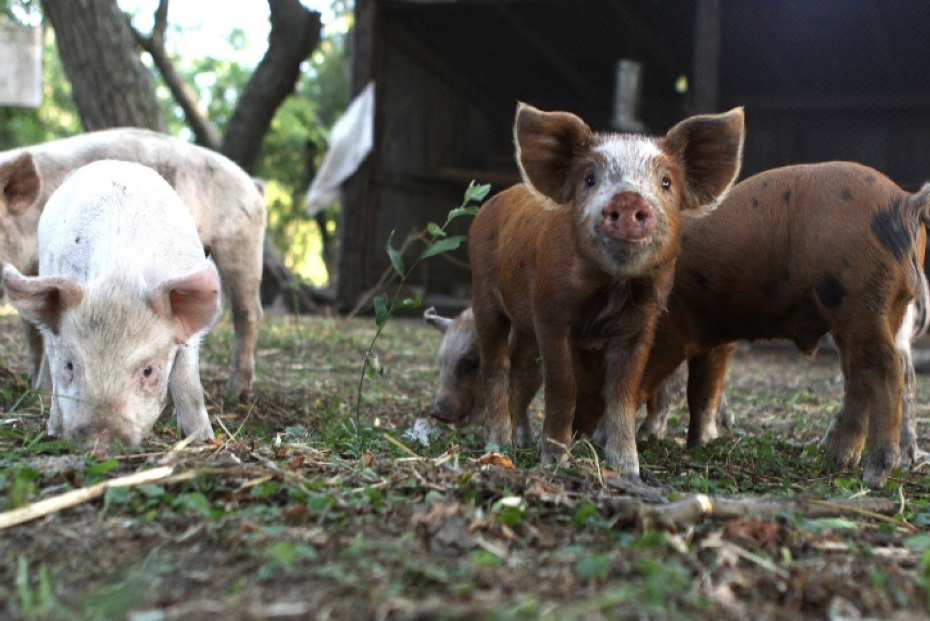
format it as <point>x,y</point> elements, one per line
<point>795,253</point>
<point>123,296</point>
<point>580,258</point>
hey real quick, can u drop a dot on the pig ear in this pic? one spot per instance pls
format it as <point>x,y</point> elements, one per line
<point>190,301</point>
<point>20,184</point>
<point>437,321</point>
<point>710,147</point>
<point>547,144</point>
<point>41,300</point>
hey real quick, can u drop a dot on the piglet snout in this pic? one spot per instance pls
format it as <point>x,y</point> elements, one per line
<point>442,411</point>
<point>628,217</point>
<point>101,439</point>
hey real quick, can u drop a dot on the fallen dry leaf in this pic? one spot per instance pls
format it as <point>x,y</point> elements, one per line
<point>493,458</point>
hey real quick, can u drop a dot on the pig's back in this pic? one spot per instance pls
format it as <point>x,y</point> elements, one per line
<point>751,269</point>
<point>122,217</point>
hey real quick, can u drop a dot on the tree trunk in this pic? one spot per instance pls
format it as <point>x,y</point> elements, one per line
<point>111,87</point>
<point>295,32</point>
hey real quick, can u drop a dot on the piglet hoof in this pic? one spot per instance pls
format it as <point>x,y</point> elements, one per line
<point>499,435</point>
<point>919,459</point>
<point>626,464</point>
<point>649,430</point>
<point>552,453</point>
<point>704,436</point>
<point>910,452</point>
<point>881,463</point>
<point>726,421</point>
<point>238,390</point>
<point>525,438</point>
<point>198,429</point>
<point>843,450</point>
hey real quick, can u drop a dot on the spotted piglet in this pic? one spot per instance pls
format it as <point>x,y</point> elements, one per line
<point>796,253</point>
<point>580,258</point>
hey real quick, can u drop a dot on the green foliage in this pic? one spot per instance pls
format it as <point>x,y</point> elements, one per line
<point>593,567</point>
<point>36,602</point>
<point>437,243</point>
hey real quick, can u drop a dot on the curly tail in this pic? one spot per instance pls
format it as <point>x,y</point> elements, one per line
<point>921,204</point>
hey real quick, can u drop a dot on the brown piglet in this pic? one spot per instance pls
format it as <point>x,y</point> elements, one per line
<point>796,253</point>
<point>581,257</point>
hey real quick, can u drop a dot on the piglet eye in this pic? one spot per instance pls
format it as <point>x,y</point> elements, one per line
<point>666,183</point>
<point>590,180</point>
<point>147,371</point>
<point>69,370</point>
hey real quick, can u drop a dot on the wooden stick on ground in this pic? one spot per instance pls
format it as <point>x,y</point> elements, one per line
<point>694,509</point>
<point>79,496</point>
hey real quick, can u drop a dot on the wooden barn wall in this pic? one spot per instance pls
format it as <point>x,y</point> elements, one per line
<point>894,141</point>
<point>429,138</point>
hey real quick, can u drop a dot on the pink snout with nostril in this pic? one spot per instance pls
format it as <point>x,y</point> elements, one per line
<point>628,217</point>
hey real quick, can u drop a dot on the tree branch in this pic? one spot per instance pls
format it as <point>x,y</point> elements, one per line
<point>205,132</point>
<point>295,33</point>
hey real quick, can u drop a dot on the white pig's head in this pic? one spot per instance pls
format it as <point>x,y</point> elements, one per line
<point>459,398</point>
<point>111,345</point>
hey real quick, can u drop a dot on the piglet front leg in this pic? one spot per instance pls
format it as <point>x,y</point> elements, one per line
<point>624,362</point>
<point>187,393</point>
<point>561,391</point>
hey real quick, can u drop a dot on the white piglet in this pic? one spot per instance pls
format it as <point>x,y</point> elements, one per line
<point>123,297</point>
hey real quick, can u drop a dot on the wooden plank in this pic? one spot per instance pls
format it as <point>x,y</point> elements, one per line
<point>357,222</point>
<point>706,72</point>
<point>471,88</point>
<point>574,76</point>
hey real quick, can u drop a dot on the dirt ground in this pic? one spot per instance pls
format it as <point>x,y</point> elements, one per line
<point>305,508</point>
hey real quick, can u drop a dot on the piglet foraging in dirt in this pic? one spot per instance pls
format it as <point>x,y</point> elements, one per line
<point>123,296</point>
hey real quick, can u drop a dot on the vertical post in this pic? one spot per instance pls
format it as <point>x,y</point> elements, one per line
<point>706,56</point>
<point>358,217</point>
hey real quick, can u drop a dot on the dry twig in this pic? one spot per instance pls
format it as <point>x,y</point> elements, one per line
<point>79,496</point>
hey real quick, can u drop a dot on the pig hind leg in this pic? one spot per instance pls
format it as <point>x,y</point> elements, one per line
<point>493,332</point>
<point>525,380</point>
<point>187,394</point>
<point>872,402</point>
<point>706,372</point>
<point>910,452</point>
<point>660,405</point>
<point>240,267</point>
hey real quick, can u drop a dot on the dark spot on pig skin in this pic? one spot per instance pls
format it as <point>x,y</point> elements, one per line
<point>77,240</point>
<point>847,193</point>
<point>765,184</point>
<point>870,179</point>
<point>786,196</point>
<point>756,203</point>
<point>699,278</point>
<point>875,300</point>
<point>891,231</point>
<point>831,291</point>
<point>684,239</point>
<point>492,236</point>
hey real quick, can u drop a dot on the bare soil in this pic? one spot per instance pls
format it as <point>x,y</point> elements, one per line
<point>305,509</point>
